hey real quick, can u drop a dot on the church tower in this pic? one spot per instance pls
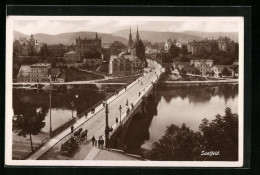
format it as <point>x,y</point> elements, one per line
<point>130,41</point>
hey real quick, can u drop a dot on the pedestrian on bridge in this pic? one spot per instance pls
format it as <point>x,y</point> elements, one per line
<point>132,105</point>
<point>139,93</point>
<point>72,129</point>
<point>116,121</point>
<point>93,140</point>
<point>126,102</point>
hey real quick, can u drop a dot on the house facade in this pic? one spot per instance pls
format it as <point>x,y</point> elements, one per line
<point>71,57</point>
<point>40,73</point>
<point>125,64</point>
<point>87,44</point>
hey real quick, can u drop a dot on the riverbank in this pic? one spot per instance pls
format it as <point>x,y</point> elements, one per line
<point>197,83</point>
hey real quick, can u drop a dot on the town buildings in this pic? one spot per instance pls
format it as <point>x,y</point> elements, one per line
<point>71,57</point>
<point>226,44</point>
<point>222,43</point>
<point>24,74</point>
<point>40,72</point>
<point>24,47</point>
<point>170,42</point>
<point>125,64</point>
<point>56,50</point>
<point>87,44</point>
<point>199,46</point>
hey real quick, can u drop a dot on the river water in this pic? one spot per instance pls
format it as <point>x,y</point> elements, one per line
<point>64,103</point>
<point>179,105</point>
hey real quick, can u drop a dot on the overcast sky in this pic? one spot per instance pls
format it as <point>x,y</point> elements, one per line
<point>110,25</point>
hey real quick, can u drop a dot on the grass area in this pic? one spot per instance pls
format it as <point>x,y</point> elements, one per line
<point>21,146</point>
<point>77,75</point>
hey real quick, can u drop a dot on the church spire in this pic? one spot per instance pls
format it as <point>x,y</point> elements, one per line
<point>137,36</point>
<point>130,41</point>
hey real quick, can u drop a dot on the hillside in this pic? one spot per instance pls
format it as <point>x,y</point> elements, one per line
<point>232,35</point>
<point>158,36</point>
<point>69,38</point>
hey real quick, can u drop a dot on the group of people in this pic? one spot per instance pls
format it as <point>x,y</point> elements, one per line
<point>98,143</point>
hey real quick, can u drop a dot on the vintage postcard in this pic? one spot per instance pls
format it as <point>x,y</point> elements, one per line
<point>124,91</point>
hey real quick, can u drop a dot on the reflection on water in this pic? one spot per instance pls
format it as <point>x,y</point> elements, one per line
<point>63,102</point>
<point>187,105</point>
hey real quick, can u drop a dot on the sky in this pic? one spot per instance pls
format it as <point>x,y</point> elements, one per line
<point>110,24</point>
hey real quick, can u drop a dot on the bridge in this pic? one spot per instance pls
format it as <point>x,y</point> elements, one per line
<point>136,93</point>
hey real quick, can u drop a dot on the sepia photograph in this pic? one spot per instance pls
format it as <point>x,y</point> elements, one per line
<point>124,91</point>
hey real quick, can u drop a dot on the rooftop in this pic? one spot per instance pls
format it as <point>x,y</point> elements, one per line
<point>24,71</point>
<point>71,52</point>
<point>41,64</point>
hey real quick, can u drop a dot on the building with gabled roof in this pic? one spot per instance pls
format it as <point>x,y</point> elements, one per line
<point>71,57</point>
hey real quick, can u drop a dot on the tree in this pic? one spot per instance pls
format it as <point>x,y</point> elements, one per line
<point>197,72</point>
<point>183,144</point>
<point>29,121</point>
<point>183,71</point>
<point>93,54</point>
<point>212,73</point>
<point>117,47</point>
<point>221,134</point>
<point>173,51</point>
<point>226,72</point>
<point>44,51</point>
<point>178,143</point>
<point>184,50</point>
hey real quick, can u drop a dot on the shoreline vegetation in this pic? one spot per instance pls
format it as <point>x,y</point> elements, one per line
<point>180,143</point>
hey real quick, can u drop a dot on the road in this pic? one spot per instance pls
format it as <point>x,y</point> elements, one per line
<point>96,124</point>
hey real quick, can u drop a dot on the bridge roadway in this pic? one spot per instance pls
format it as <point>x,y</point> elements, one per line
<point>95,124</point>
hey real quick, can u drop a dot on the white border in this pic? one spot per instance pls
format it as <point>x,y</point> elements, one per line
<point>8,109</point>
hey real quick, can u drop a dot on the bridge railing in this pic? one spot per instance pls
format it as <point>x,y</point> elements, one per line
<point>136,103</point>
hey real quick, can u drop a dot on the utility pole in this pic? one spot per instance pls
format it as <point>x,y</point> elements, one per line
<point>107,127</point>
<point>50,110</point>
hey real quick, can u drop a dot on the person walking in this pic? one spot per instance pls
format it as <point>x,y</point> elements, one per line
<point>93,140</point>
<point>99,143</point>
<point>102,143</point>
<point>126,102</point>
<point>72,129</point>
<point>116,120</point>
<point>139,93</point>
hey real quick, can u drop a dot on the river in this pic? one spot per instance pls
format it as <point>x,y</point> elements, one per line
<point>179,105</point>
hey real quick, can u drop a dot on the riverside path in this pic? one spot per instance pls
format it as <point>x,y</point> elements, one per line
<point>95,123</point>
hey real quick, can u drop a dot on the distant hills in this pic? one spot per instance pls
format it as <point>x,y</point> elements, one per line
<point>232,35</point>
<point>122,36</point>
<point>159,36</point>
<point>69,38</point>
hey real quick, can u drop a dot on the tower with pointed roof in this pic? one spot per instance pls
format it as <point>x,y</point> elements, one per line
<point>130,41</point>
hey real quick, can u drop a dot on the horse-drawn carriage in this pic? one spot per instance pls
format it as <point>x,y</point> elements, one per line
<point>70,145</point>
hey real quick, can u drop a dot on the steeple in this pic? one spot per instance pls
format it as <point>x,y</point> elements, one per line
<point>137,36</point>
<point>130,41</point>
